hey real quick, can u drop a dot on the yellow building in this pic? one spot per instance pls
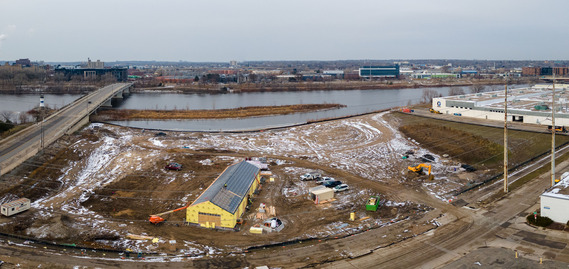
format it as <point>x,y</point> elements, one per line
<point>224,201</point>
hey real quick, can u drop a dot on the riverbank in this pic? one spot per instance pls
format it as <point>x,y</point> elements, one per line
<point>273,86</point>
<point>241,112</point>
<point>53,88</point>
<point>279,86</point>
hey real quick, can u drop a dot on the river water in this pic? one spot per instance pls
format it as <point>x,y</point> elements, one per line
<point>356,101</point>
<point>15,104</point>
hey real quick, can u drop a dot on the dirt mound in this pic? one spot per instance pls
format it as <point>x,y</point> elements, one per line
<point>57,227</point>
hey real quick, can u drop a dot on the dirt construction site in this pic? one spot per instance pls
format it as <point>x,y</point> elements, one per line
<point>98,187</point>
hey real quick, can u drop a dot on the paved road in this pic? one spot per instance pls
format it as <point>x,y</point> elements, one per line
<point>19,146</point>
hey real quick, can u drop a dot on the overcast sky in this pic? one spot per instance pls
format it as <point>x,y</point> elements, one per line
<point>246,30</point>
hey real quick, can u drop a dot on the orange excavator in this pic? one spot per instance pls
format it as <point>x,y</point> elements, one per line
<point>419,169</point>
<point>157,218</point>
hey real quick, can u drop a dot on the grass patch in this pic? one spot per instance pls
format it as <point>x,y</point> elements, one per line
<point>242,112</point>
<point>14,130</point>
<point>446,137</point>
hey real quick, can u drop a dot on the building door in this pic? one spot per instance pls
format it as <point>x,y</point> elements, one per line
<point>209,220</point>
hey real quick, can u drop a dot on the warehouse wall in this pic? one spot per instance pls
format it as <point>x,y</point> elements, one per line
<point>555,208</point>
<point>228,220</point>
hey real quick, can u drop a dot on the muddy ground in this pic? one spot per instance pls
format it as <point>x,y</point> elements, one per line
<point>102,183</point>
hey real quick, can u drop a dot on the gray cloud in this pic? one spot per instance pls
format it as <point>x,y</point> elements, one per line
<point>222,30</point>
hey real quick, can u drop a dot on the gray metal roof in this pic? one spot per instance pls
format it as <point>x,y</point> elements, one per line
<point>239,178</point>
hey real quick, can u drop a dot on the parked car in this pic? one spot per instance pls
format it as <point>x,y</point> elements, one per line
<point>468,167</point>
<point>332,184</point>
<point>311,176</point>
<point>173,166</point>
<point>341,187</point>
<point>324,179</point>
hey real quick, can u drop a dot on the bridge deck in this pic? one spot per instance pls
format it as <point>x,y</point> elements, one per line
<point>20,146</point>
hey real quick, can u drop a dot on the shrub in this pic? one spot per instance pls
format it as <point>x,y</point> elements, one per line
<point>5,126</point>
<point>540,221</point>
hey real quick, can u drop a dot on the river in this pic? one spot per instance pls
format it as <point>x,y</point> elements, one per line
<point>12,105</point>
<point>356,101</point>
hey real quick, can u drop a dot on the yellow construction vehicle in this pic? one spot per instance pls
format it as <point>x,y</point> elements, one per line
<point>419,169</point>
<point>434,111</point>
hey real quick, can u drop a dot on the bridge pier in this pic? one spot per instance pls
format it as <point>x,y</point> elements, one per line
<point>118,95</point>
<point>107,103</point>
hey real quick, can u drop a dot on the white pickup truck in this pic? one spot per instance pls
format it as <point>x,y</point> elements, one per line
<point>311,176</point>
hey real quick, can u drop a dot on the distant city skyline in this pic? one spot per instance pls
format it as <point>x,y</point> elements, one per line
<point>247,30</point>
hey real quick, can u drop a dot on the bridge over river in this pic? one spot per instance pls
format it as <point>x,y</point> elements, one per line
<point>19,147</point>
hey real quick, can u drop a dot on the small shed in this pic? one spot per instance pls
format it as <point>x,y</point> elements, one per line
<point>15,207</point>
<point>319,195</point>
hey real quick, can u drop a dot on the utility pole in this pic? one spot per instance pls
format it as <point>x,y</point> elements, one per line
<point>553,133</point>
<point>506,138</point>
<point>42,119</point>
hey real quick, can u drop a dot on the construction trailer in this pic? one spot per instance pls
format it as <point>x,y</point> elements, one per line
<point>320,194</point>
<point>225,200</point>
<point>15,207</point>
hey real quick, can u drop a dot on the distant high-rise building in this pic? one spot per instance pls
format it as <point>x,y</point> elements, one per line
<point>95,65</point>
<point>233,63</point>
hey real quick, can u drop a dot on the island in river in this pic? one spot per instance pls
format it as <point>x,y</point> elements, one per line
<point>241,112</point>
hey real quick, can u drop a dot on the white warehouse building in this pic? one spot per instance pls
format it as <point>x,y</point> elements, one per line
<point>528,105</point>
<point>555,201</point>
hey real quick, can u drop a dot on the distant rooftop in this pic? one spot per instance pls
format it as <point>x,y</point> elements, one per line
<point>518,98</point>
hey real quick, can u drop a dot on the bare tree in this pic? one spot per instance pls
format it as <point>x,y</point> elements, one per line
<point>23,118</point>
<point>477,88</point>
<point>428,95</point>
<point>456,91</point>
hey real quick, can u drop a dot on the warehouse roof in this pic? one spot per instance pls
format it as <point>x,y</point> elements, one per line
<point>519,98</point>
<point>229,189</point>
<point>560,189</point>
